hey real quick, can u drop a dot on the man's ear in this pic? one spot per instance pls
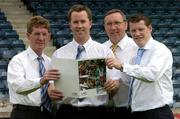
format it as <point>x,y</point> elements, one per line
<point>27,35</point>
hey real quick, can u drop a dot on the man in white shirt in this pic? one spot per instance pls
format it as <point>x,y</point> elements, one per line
<point>23,75</point>
<point>80,21</point>
<point>115,26</point>
<point>152,89</point>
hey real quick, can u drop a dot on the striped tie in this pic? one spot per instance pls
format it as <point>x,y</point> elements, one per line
<point>45,100</point>
<point>80,49</point>
<point>137,61</point>
<point>111,101</point>
<point>113,48</point>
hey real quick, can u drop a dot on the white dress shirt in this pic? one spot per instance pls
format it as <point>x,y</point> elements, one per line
<point>125,52</point>
<point>23,78</point>
<point>152,87</point>
<point>93,49</point>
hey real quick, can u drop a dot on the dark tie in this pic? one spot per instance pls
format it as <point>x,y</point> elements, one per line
<point>80,49</point>
<point>137,61</point>
<point>45,100</point>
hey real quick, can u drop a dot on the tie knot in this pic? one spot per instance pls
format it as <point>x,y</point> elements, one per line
<point>80,48</point>
<point>114,47</point>
<point>140,51</point>
<point>139,55</point>
<point>39,58</point>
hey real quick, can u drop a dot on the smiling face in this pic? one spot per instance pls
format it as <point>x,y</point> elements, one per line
<point>38,39</point>
<point>140,32</point>
<point>80,26</point>
<point>115,27</point>
<point>38,33</point>
<point>140,29</point>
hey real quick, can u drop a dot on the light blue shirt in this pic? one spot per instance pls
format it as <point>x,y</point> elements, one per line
<point>152,87</point>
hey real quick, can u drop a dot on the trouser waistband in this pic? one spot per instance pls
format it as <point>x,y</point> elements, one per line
<point>26,107</point>
<point>85,108</point>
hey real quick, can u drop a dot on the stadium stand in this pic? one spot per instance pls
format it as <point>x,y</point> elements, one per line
<point>9,41</point>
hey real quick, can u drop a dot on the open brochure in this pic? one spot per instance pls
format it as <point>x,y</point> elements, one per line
<point>80,78</point>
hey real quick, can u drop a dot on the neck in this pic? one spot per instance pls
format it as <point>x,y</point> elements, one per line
<point>81,41</point>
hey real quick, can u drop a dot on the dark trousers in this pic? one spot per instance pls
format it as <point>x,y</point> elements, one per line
<point>121,112</point>
<point>88,112</point>
<point>29,112</point>
<point>158,113</point>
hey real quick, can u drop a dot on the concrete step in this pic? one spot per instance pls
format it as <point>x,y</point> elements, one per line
<point>15,10</point>
<point>49,50</point>
<point>22,17</point>
<point>5,109</point>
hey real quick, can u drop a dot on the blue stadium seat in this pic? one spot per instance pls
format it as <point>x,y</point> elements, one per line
<point>5,43</point>
<point>12,34</point>
<point>6,26</point>
<point>175,51</point>
<point>176,62</point>
<point>18,44</point>
<point>8,54</point>
<point>2,34</point>
<point>2,16</point>
<point>3,72</point>
<point>64,33</point>
<point>3,64</point>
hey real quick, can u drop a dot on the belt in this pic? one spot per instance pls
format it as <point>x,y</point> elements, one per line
<point>85,108</point>
<point>27,107</point>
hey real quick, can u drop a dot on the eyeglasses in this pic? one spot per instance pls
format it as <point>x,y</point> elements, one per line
<point>117,23</point>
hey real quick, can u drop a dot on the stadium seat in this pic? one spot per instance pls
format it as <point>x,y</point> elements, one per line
<point>5,43</point>
<point>3,64</point>
<point>11,34</point>
<point>8,54</point>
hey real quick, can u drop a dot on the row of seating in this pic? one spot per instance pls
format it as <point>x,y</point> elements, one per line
<point>10,45</point>
<point>56,12</point>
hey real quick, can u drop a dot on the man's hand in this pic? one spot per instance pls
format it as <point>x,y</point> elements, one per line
<point>114,62</point>
<point>53,93</point>
<point>111,86</point>
<point>52,74</point>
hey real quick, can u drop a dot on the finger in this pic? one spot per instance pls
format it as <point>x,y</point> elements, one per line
<point>56,97</point>
<point>53,73</point>
<point>53,70</point>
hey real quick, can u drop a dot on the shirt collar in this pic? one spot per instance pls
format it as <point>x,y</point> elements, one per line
<point>149,44</point>
<point>32,54</point>
<point>122,43</point>
<point>86,45</point>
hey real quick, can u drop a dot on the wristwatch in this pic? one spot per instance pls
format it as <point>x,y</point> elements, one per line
<point>121,68</point>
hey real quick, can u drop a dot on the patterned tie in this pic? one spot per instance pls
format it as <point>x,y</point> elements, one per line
<point>113,48</point>
<point>137,61</point>
<point>80,49</point>
<point>111,101</point>
<point>45,100</point>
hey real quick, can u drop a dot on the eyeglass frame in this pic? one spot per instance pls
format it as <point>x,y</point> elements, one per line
<point>116,23</point>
